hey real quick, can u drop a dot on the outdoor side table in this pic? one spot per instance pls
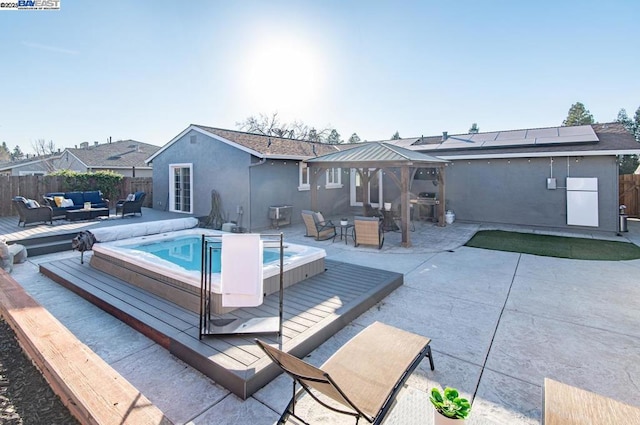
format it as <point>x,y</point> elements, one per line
<point>344,232</point>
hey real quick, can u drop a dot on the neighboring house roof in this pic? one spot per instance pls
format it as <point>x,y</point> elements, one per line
<point>114,155</point>
<point>376,154</point>
<point>9,165</point>
<point>587,140</point>
<point>261,146</point>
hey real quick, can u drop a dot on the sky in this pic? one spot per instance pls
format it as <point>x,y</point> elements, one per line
<point>146,69</point>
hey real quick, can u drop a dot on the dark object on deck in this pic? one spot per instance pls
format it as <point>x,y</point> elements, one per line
<point>83,242</point>
<point>365,375</point>
<point>31,214</point>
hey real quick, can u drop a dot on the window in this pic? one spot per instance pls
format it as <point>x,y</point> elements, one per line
<point>31,173</point>
<point>303,183</point>
<point>180,184</point>
<point>334,178</point>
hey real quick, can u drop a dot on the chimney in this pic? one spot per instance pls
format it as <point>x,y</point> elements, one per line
<point>58,150</point>
<point>84,145</point>
<point>95,143</point>
<point>445,136</point>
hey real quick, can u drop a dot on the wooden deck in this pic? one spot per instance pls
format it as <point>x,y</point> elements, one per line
<point>10,230</point>
<point>314,310</point>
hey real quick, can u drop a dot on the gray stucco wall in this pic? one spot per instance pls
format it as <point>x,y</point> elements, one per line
<point>241,180</point>
<point>513,191</point>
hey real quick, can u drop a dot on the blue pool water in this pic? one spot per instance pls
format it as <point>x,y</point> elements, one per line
<point>186,252</point>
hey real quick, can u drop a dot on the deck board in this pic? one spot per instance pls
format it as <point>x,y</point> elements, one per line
<point>314,310</point>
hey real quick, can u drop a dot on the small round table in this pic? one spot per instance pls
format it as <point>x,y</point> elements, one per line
<point>344,232</point>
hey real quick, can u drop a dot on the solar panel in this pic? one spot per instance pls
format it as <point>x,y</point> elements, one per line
<point>576,130</point>
<point>512,135</point>
<point>542,132</point>
<point>509,142</point>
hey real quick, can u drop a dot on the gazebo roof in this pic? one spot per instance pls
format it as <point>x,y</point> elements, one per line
<point>375,154</point>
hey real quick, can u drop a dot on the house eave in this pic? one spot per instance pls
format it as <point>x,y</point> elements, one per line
<point>545,154</point>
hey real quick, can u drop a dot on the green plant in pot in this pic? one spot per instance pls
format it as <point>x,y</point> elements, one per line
<point>450,407</point>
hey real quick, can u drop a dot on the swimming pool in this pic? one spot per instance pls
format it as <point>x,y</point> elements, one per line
<point>186,252</point>
<point>172,278</point>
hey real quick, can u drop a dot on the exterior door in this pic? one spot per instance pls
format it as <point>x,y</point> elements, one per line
<point>180,184</point>
<point>357,189</point>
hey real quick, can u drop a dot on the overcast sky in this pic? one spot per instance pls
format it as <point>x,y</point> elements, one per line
<point>147,69</point>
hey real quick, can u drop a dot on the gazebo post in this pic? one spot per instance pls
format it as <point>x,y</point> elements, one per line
<point>441,193</point>
<point>404,202</point>
<point>313,186</point>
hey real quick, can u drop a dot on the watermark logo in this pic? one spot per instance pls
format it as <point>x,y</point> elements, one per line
<point>30,5</point>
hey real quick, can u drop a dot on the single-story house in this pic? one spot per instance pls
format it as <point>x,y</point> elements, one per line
<point>555,177</point>
<point>250,172</point>
<point>30,166</point>
<point>126,157</point>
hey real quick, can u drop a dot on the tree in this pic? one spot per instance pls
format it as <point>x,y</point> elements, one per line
<point>5,153</point>
<point>17,154</point>
<point>334,137</point>
<point>354,138</point>
<point>42,147</point>
<point>474,128</point>
<point>627,164</point>
<point>270,125</point>
<point>578,115</point>
<point>396,136</point>
<point>636,121</point>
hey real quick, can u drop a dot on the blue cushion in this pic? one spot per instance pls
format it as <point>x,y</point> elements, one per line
<point>139,195</point>
<point>76,197</point>
<point>92,196</point>
<point>52,194</point>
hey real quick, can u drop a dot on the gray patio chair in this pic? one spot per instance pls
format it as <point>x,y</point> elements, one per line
<point>368,231</point>
<point>31,214</point>
<point>317,226</point>
<point>364,376</point>
<point>126,207</point>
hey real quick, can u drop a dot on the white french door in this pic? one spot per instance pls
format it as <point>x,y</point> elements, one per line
<point>180,184</point>
<point>357,190</point>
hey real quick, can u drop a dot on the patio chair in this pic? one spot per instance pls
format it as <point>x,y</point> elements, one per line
<point>364,376</point>
<point>317,226</point>
<point>368,231</point>
<point>31,213</point>
<point>132,205</point>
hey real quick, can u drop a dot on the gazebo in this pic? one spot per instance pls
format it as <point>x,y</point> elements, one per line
<point>371,158</point>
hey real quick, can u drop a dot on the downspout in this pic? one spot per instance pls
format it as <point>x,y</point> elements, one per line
<point>262,161</point>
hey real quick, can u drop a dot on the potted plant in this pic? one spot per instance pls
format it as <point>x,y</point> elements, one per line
<point>450,408</point>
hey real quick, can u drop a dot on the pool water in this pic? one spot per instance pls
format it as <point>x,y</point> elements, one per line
<point>186,252</point>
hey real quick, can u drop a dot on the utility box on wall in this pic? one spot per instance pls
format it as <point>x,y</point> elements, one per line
<point>582,201</point>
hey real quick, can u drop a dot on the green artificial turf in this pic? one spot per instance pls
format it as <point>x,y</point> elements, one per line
<point>555,246</point>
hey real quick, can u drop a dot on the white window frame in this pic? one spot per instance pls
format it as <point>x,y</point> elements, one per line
<point>302,184</point>
<point>31,173</point>
<point>172,191</point>
<point>334,178</point>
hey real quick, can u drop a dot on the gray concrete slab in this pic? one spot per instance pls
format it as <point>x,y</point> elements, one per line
<point>569,320</point>
<point>530,348</point>
<point>180,391</point>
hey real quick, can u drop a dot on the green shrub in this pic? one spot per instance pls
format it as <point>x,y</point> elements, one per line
<point>106,182</point>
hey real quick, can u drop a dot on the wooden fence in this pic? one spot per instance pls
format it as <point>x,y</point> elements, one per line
<point>629,193</point>
<point>34,187</point>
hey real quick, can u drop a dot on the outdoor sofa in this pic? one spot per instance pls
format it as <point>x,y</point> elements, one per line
<point>61,202</point>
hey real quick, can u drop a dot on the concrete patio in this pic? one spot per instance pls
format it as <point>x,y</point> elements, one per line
<point>500,323</point>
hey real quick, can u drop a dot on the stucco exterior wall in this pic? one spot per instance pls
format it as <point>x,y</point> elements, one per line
<point>242,180</point>
<point>514,191</point>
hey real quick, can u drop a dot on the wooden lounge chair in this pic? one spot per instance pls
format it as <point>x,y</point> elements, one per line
<point>364,376</point>
<point>368,231</point>
<point>317,226</point>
